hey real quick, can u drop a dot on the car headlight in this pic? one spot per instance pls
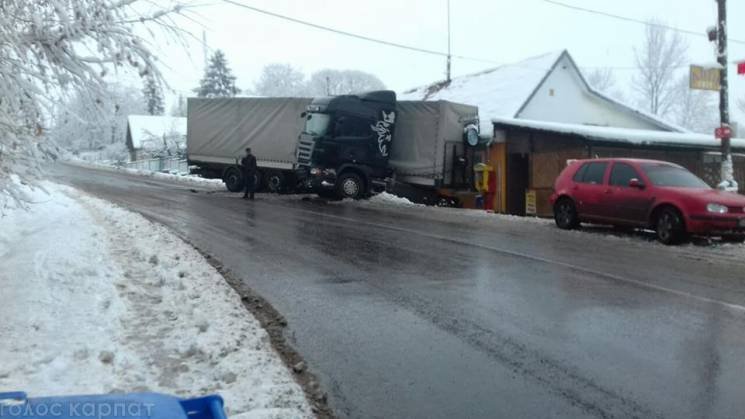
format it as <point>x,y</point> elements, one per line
<point>315,171</point>
<point>717,208</point>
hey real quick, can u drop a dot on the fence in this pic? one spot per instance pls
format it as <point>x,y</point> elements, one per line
<point>175,166</point>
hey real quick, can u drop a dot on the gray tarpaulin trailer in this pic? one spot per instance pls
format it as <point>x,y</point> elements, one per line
<point>427,139</point>
<point>220,129</point>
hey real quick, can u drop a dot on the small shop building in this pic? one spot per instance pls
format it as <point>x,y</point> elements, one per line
<point>541,112</point>
<point>533,153</point>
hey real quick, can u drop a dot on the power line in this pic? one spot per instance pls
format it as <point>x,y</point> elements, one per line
<point>633,20</point>
<point>358,36</point>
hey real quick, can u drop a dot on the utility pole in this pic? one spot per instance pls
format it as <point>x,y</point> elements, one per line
<point>447,72</point>
<point>204,49</point>
<point>724,89</point>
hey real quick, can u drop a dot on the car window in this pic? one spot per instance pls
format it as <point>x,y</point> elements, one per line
<point>580,173</point>
<point>673,176</point>
<point>594,172</point>
<point>621,174</point>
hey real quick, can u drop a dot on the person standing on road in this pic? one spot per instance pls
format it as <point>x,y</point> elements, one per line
<point>248,164</point>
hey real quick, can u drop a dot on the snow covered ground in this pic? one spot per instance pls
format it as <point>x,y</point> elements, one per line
<point>387,200</point>
<point>96,299</point>
<point>215,184</point>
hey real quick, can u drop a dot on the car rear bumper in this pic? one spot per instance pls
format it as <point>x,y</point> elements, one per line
<point>716,224</point>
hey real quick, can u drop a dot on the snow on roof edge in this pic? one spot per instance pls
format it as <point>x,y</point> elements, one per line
<point>621,135</point>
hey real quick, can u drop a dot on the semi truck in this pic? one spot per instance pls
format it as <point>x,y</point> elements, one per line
<point>343,146</point>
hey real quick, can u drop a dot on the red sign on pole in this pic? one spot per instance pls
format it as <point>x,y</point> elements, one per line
<point>741,68</point>
<point>723,132</point>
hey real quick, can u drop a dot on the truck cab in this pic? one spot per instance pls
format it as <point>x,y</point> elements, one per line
<point>345,144</point>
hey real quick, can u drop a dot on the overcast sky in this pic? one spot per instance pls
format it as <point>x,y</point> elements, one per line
<point>500,31</point>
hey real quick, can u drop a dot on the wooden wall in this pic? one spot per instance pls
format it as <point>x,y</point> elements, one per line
<point>549,153</point>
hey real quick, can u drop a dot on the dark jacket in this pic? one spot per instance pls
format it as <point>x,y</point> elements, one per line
<point>248,164</point>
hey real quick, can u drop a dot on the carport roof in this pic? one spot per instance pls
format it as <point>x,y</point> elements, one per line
<point>618,135</point>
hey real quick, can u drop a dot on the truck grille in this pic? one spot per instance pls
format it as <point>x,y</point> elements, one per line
<point>305,149</point>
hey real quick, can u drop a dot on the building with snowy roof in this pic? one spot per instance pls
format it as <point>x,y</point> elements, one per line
<point>549,87</point>
<point>541,112</point>
<point>535,152</point>
<point>151,136</point>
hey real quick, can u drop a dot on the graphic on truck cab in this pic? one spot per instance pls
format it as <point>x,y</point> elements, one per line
<point>383,129</point>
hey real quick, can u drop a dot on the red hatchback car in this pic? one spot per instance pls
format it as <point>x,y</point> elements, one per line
<point>646,194</point>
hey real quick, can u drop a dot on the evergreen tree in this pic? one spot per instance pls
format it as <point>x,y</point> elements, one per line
<point>218,80</point>
<point>153,97</point>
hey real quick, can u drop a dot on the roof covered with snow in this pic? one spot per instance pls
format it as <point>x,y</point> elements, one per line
<point>498,92</point>
<point>504,91</point>
<point>620,135</point>
<point>146,129</point>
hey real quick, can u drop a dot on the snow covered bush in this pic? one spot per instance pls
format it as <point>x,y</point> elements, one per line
<point>51,47</point>
<point>85,124</point>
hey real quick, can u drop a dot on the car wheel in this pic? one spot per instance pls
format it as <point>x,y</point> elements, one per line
<point>565,214</point>
<point>350,185</point>
<point>734,238</point>
<point>233,180</point>
<point>669,227</point>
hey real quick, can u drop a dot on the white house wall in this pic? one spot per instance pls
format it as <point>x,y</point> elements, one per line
<point>563,97</point>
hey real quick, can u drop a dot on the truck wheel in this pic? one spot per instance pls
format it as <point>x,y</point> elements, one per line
<point>233,180</point>
<point>275,182</point>
<point>350,185</point>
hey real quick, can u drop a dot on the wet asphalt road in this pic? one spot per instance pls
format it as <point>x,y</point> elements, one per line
<point>427,313</point>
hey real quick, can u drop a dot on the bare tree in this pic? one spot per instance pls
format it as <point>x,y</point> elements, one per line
<point>602,79</point>
<point>280,80</point>
<point>50,47</point>
<point>695,110</point>
<point>179,107</point>
<point>662,53</point>
<point>341,82</point>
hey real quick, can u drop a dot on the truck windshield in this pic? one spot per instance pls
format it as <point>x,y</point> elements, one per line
<point>317,124</point>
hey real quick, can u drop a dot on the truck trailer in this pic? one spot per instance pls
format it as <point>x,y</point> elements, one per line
<point>342,146</point>
<point>219,130</point>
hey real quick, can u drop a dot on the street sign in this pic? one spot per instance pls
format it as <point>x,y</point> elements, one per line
<point>723,132</point>
<point>531,206</point>
<point>704,78</point>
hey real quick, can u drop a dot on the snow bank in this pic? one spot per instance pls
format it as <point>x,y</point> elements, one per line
<point>97,299</point>
<point>191,180</point>
<point>387,200</point>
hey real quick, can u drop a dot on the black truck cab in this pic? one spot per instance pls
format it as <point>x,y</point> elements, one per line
<point>345,145</point>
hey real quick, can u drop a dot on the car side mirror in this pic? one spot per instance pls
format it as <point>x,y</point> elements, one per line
<point>304,114</point>
<point>636,183</point>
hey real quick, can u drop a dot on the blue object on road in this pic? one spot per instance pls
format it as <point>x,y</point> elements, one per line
<point>120,406</point>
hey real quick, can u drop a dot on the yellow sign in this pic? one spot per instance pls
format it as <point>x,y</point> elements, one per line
<point>530,203</point>
<point>704,78</point>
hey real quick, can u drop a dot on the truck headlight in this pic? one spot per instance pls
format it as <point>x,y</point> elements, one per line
<point>717,208</point>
